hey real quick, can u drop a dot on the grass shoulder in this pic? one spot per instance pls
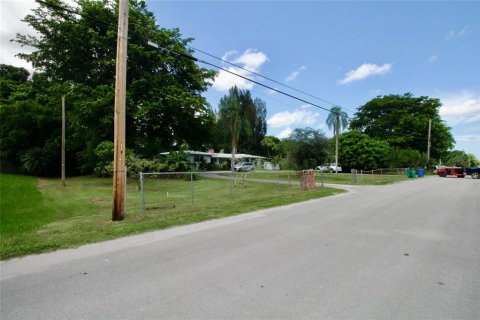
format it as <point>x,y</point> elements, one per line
<point>40,215</point>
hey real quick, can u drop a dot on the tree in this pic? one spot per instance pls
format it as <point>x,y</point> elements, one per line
<point>305,148</point>
<point>403,158</point>
<point>456,158</point>
<point>259,127</point>
<point>249,117</point>
<point>402,121</point>
<point>30,125</point>
<point>77,52</point>
<point>12,73</point>
<point>271,144</point>
<point>231,120</point>
<point>474,162</point>
<point>359,151</point>
<point>338,120</point>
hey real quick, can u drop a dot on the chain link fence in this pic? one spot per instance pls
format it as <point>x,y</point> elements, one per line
<point>170,190</point>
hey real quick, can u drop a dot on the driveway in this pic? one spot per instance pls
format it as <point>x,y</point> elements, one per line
<point>404,251</point>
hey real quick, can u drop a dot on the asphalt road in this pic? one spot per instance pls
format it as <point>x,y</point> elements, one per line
<point>404,251</point>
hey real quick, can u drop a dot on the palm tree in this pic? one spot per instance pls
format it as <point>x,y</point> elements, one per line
<point>338,120</point>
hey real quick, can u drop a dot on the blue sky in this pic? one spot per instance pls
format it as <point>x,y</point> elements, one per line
<point>343,52</point>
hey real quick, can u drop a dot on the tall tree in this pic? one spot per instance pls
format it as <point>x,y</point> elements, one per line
<point>402,121</point>
<point>271,144</point>
<point>76,45</point>
<point>358,151</point>
<point>251,123</point>
<point>230,118</point>
<point>30,125</point>
<point>305,148</point>
<point>338,120</point>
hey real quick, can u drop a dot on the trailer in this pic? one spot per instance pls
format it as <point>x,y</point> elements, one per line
<point>458,172</point>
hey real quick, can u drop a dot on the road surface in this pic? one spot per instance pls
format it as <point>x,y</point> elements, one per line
<point>405,251</point>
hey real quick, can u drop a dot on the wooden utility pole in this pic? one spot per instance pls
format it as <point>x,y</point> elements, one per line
<point>63,141</point>
<point>337,132</point>
<point>429,139</point>
<point>119,172</point>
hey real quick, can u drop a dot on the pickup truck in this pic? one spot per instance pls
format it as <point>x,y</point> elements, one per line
<point>459,172</point>
<point>328,168</point>
<point>473,171</point>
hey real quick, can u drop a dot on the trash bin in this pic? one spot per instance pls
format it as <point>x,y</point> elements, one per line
<point>407,172</point>
<point>413,173</point>
<point>420,173</point>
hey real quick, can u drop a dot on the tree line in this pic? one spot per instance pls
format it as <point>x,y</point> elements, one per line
<point>74,56</point>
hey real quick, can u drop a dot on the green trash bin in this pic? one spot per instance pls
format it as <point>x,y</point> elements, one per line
<point>413,173</point>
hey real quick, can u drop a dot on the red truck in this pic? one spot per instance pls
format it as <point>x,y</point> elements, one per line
<point>459,172</point>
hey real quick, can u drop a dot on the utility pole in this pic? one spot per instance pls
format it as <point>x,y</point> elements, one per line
<point>429,139</point>
<point>337,132</point>
<point>119,174</point>
<point>63,141</point>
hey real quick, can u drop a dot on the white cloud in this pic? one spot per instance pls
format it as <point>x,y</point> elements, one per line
<point>11,14</point>
<point>294,74</point>
<point>225,80</point>
<point>228,54</point>
<point>460,107</point>
<point>467,138</point>
<point>251,60</point>
<point>364,71</point>
<point>457,34</point>
<point>300,117</point>
<point>285,133</point>
<point>433,58</point>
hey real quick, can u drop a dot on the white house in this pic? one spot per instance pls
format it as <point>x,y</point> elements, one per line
<point>219,158</point>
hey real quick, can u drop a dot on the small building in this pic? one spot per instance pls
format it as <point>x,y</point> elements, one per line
<point>219,159</point>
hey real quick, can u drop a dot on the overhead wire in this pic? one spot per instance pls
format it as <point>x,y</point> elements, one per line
<point>61,8</point>
<point>239,75</point>
<point>264,77</point>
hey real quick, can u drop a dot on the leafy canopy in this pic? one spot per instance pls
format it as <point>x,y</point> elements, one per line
<point>241,122</point>
<point>359,151</point>
<point>306,148</point>
<point>75,55</point>
<point>402,121</point>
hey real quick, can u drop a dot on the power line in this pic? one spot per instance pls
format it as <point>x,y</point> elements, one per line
<point>238,75</point>
<point>264,77</point>
<point>58,7</point>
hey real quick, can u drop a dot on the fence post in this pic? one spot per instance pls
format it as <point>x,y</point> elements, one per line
<point>231,185</point>
<point>142,194</point>
<point>125,189</point>
<point>191,183</point>
<point>354,176</point>
<point>278,183</point>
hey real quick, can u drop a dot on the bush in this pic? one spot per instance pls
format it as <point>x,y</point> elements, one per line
<point>38,161</point>
<point>402,158</point>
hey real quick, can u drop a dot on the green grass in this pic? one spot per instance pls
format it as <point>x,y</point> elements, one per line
<point>332,178</point>
<point>40,215</point>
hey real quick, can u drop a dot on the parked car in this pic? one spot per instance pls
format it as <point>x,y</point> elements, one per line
<point>244,166</point>
<point>328,168</point>
<point>473,171</point>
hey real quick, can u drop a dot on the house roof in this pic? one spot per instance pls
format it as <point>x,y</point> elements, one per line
<point>221,155</point>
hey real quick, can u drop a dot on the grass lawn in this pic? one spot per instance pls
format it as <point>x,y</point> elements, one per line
<point>39,215</point>
<point>333,178</point>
